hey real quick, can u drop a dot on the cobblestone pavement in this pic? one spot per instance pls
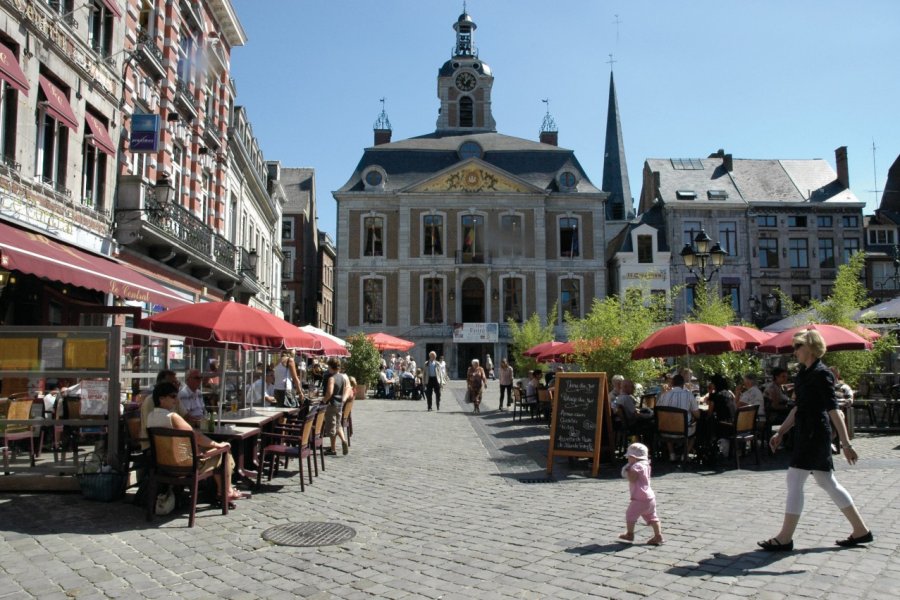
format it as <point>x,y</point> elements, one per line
<point>440,512</point>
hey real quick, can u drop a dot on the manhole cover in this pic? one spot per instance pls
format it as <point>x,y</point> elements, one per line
<point>311,533</point>
<point>537,480</point>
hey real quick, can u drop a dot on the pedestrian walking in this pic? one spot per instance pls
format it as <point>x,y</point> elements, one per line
<point>506,382</point>
<point>489,366</point>
<point>812,418</point>
<point>477,381</point>
<point>434,379</point>
<point>643,499</point>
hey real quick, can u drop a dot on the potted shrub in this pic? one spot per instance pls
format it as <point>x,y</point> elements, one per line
<point>363,364</point>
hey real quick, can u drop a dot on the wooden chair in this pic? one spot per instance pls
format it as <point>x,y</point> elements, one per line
<point>317,443</point>
<point>134,457</point>
<point>21,410</point>
<point>175,459</point>
<point>524,402</point>
<point>347,419</point>
<point>672,425</point>
<point>291,443</point>
<point>745,430</point>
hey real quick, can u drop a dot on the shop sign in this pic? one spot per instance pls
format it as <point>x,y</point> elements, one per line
<point>475,332</point>
<point>144,133</point>
<point>20,203</point>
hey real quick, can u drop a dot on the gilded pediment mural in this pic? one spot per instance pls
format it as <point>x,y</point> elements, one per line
<point>473,177</point>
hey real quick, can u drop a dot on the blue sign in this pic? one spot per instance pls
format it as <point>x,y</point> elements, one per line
<point>144,133</point>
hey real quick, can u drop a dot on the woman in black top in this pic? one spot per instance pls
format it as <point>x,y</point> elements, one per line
<point>812,418</point>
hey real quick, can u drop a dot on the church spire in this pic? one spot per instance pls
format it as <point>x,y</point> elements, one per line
<point>615,169</point>
<point>465,35</point>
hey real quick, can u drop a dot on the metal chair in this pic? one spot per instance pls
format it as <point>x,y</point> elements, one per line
<point>291,443</point>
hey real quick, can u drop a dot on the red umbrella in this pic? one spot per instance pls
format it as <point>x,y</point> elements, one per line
<point>536,351</point>
<point>383,341</point>
<point>557,353</point>
<point>231,323</point>
<point>330,345</point>
<point>867,333</point>
<point>687,338</point>
<point>836,339</point>
<point>753,337</point>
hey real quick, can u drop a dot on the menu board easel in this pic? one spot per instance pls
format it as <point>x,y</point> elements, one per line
<point>581,409</point>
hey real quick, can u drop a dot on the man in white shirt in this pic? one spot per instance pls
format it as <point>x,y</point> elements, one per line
<point>262,391</point>
<point>679,397</point>
<point>191,399</point>
<point>433,378</point>
<point>752,395</point>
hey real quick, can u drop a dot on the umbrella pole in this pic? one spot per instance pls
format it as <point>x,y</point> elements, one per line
<point>222,370</point>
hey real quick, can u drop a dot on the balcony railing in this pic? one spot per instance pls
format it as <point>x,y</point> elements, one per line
<point>184,95</point>
<point>180,224</point>
<point>472,258</point>
<point>245,267</point>
<point>224,252</point>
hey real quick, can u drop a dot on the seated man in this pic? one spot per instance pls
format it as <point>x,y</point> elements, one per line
<point>636,421</point>
<point>191,399</point>
<point>679,397</point>
<point>387,382</point>
<point>751,394</point>
<point>262,391</point>
<point>776,400</point>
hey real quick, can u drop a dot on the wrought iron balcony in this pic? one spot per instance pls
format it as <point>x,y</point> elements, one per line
<point>149,54</point>
<point>472,258</point>
<point>181,224</point>
<point>224,252</point>
<point>185,97</point>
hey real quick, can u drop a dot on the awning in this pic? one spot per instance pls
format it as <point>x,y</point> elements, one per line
<point>99,135</point>
<point>111,5</point>
<point>58,104</point>
<point>11,72</point>
<point>38,255</point>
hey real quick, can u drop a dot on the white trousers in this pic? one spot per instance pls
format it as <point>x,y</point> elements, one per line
<point>797,477</point>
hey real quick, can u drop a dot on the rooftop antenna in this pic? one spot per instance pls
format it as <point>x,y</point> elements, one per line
<point>617,21</point>
<point>382,122</point>
<point>549,123</point>
<point>611,62</point>
<point>876,191</point>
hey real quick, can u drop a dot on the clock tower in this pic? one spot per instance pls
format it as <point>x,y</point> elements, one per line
<point>464,86</point>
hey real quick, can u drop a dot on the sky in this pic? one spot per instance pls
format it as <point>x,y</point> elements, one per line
<point>762,79</point>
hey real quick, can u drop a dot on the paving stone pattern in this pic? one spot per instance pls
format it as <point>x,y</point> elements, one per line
<point>439,511</point>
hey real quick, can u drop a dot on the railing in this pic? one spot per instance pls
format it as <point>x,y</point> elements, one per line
<point>472,258</point>
<point>179,223</point>
<point>433,331</point>
<point>184,95</point>
<point>224,252</point>
<point>245,267</point>
<point>148,46</point>
<point>58,190</point>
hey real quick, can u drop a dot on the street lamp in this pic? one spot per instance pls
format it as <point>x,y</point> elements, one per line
<point>764,308</point>
<point>701,256</point>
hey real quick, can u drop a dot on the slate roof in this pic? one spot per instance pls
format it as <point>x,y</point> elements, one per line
<point>890,199</point>
<point>655,218</point>
<point>752,181</point>
<point>615,169</point>
<point>298,188</point>
<point>417,159</point>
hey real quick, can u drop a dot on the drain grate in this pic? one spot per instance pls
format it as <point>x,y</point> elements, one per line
<point>537,480</point>
<point>310,533</point>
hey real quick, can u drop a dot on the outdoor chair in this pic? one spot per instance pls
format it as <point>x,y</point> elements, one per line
<point>317,443</point>
<point>290,443</point>
<point>134,458</point>
<point>521,402</point>
<point>407,387</point>
<point>21,410</point>
<point>672,425</point>
<point>176,460</point>
<point>347,419</point>
<point>744,430</point>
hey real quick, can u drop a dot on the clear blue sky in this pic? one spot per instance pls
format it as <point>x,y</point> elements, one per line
<point>761,79</point>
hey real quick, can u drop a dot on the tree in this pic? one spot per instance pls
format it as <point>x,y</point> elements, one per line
<point>848,297</point>
<point>364,361</point>
<point>614,327</point>
<point>527,335</point>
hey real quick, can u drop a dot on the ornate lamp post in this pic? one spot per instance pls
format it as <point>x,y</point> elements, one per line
<point>763,309</point>
<point>700,255</point>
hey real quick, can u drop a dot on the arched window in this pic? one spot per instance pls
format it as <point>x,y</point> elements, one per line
<point>466,112</point>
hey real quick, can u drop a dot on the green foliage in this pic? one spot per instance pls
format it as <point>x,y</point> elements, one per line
<point>612,329</point>
<point>527,335</point>
<point>364,361</point>
<point>710,308</point>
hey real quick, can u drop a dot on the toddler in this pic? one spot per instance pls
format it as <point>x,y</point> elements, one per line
<point>643,500</point>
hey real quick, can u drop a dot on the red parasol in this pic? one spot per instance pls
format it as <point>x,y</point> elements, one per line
<point>559,353</point>
<point>330,345</point>
<point>383,341</point>
<point>836,338</point>
<point>536,351</point>
<point>687,338</point>
<point>753,337</point>
<point>231,323</point>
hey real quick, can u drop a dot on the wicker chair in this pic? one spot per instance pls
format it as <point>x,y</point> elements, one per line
<point>176,459</point>
<point>290,443</point>
<point>347,419</point>
<point>672,425</point>
<point>21,410</point>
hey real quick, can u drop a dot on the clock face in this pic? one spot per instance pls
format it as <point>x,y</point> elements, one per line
<point>465,82</point>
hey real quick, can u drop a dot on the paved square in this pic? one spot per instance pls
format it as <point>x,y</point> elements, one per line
<point>440,512</point>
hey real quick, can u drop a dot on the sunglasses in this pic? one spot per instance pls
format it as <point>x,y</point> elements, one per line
<point>797,346</point>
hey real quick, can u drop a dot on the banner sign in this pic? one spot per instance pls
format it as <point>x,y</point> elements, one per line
<point>144,133</point>
<point>476,332</point>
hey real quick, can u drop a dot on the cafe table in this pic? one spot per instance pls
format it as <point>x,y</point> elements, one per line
<point>260,418</point>
<point>241,438</point>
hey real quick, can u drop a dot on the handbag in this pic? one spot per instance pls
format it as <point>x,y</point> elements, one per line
<point>290,400</point>
<point>468,397</point>
<point>165,503</point>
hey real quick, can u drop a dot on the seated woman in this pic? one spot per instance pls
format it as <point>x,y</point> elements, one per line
<point>165,398</point>
<point>636,421</point>
<point>722,408</point>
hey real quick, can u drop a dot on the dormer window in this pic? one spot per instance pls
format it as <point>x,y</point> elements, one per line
<point>717,195</point>
<point>373,179</point>
<point>470,149</point>
<point>567,181</point>
<point>686,195</point>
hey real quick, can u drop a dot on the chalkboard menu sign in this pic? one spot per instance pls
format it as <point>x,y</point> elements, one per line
<point>580,411</point>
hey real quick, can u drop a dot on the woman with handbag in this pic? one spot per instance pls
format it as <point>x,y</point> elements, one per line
<point>477,381</point>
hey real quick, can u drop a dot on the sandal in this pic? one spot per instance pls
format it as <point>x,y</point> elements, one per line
<point>856,541</point>
<point>656,541</point>
<point>773,545</point>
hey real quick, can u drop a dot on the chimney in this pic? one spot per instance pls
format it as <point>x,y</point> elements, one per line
<point>382,136</point>
<point>550,137</point>
<point>728,162</point>
<point>840,161</point>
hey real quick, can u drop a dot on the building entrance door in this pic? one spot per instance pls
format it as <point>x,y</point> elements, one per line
<point>466,353</point>
<point>472,301</point>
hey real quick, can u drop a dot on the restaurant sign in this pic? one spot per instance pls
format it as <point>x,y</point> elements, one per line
<point>475,332</point>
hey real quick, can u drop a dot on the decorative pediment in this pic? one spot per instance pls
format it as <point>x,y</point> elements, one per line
<point>473,177</point>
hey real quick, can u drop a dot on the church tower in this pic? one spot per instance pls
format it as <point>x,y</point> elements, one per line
<point>464,86</point>
<point>615,170</point>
